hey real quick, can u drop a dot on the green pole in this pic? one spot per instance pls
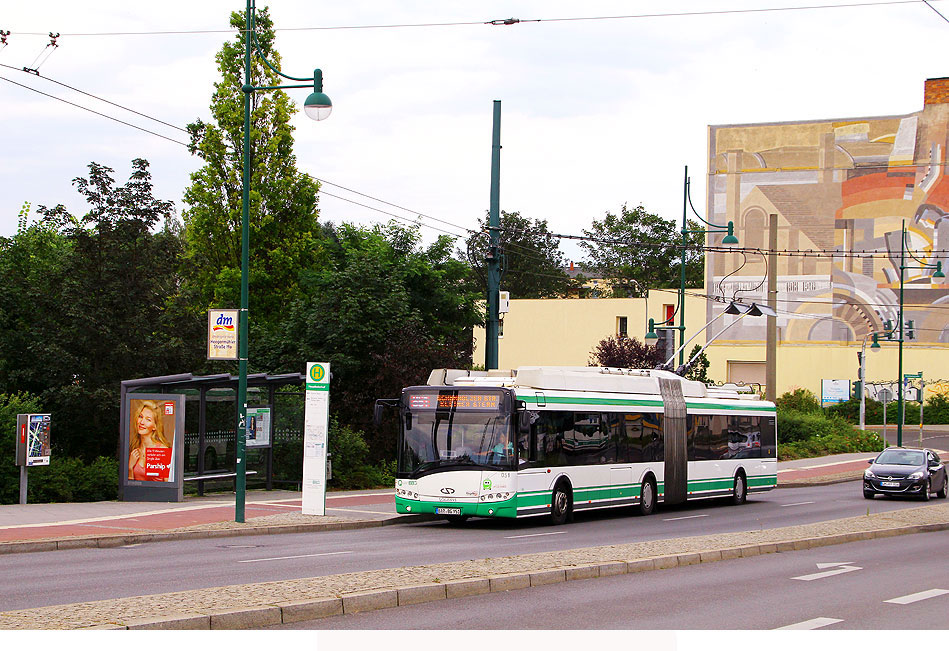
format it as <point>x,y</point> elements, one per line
<point>241,481</point>
<point>494,263</point>
<point>685,241</point>
<point>899,376</point>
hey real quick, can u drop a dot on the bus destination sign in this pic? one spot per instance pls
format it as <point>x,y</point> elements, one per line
<point>453,401</point>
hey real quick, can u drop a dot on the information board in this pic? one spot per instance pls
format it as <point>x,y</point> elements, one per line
<point>315,437</point>
<point>834,391</point>
<point>258,427</point>
<point>32,439</point>
<point>222,334</point>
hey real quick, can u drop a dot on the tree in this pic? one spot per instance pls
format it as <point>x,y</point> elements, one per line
<point>285,236</point>
<point>637,251</point>
<point>533,263</point>
<point>625,352</point>
<point>383,311</point>
<point>699,369</point>
<point>103,315</point>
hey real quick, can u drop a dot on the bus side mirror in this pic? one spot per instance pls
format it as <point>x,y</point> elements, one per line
<point>523,422</point>
<point>381,404</point>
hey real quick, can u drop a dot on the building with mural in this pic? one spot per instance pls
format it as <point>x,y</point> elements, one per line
<point>841,191</point>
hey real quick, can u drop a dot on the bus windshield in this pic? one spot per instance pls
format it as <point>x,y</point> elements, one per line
<point>437,440</point>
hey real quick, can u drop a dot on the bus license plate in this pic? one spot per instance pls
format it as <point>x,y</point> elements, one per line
<point>445,510</point>
<point>890,484</point>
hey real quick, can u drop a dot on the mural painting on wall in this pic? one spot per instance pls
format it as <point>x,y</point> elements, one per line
<point>842,191</point>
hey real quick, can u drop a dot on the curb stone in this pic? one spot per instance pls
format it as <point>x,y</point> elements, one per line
<point>80,542</point>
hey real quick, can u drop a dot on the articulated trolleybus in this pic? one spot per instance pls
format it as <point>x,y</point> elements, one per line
<point>555,440</point>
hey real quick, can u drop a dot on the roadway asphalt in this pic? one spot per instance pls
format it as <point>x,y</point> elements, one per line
<point>46,527</point>
<point>112,524</point>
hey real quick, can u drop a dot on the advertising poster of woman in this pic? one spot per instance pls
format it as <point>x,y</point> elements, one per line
<point>151,440</point>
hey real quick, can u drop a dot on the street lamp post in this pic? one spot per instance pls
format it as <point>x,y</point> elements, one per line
<point>939,277</point>
<point>874,347</point>
<point>729,238</point>
<point>318,107</point>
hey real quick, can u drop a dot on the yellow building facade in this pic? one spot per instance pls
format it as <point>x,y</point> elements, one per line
<point>841,192</point>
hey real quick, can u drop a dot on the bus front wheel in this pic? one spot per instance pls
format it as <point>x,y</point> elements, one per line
<point>561,505</point>
<point>647,497</point>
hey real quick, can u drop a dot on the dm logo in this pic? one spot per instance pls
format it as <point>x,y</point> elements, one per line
<point>224,322</point>
<point>317,373</point>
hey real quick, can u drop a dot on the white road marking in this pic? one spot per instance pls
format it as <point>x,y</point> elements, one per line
<point>810,625</point>
<point>686,517</point>
<point>918,596</point>
<point>823,575</point>
<point>356,511</point>
<point>797,504</point>
<point>835,463</point>
<point>283,558</point>
<point>532,535</point>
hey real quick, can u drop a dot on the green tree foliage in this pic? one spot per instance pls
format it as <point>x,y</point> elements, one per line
<point>625,352</point>
<point>284,233</point>
<point>384,311</point>
<point>533,263</point>
<point>637,251</point>
<point>699,369</point>
<point>84,302</point>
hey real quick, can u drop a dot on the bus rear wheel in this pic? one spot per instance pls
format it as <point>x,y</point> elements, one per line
<point>561,505</point>
<point>647,497</point>
<point>740,490</point>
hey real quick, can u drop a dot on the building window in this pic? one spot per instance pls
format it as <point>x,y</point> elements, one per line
<point>621,328</point>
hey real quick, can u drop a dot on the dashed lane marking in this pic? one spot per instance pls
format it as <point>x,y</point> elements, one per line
<point>533,535</point>
<point>283,558</point>
<point>810,625</point>
<point>796,504</point>
<point>917,596</point>
<point>686,517</point>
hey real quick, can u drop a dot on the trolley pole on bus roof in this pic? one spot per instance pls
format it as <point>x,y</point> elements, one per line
<point>494,258</point>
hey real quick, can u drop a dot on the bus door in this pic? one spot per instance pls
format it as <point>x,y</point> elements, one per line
<point>676,456</point>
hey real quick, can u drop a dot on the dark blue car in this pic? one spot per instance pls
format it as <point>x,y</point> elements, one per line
<point>905,471</point>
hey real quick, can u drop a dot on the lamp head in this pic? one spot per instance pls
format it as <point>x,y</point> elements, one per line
<point>651,337</point>
<point>939,277</point>
<point>730,238</point>
<point>875,346</point>
<point>318,105</point>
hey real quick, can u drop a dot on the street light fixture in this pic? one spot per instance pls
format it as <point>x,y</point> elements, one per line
<point>938,277</point>
<point>729,240</point>
<point>318,107</point>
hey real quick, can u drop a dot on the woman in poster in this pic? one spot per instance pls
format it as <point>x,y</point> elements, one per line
<point>147,432</point>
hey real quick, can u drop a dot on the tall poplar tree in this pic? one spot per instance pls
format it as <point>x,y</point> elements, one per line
<point>284,234</point>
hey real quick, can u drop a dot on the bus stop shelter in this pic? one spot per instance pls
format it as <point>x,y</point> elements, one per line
<point>262,388</point>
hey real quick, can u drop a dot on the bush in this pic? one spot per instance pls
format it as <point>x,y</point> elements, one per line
<point>832,443</point>
<point>800,400</point>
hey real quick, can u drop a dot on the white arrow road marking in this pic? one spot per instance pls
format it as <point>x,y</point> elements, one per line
<point>811,624</point>
<point>918,596</point>
<point>822,575</point>
<point>282,558</point>
<point>824,566</point>
<point>531,535</point>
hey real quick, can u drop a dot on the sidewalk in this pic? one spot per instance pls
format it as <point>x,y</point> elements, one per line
<point>48,527</point>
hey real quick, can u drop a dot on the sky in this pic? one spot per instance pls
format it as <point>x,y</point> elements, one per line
<point>598,111</point>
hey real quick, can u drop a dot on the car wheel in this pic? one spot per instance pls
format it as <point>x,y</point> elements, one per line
<point>924,494</point>
<point>868,494</point>
<point>647,497</point>
<point>456,520</point>
<point>740,490</point>
<point>942,492</point>
<point>561,505</point>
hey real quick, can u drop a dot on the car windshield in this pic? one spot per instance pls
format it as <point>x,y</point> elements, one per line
<point>439,440</point>
<point>901,458</point>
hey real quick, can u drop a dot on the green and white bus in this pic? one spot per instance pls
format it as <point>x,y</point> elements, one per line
<point>555,440</point>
